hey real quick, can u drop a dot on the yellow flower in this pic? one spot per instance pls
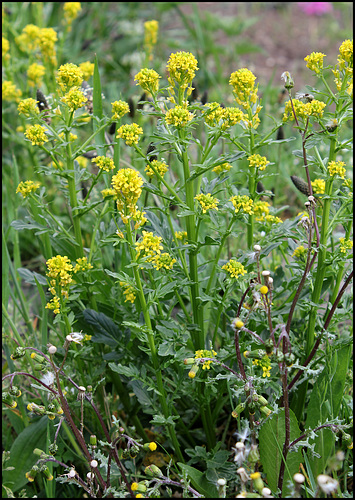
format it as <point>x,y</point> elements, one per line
<point>72,137</point>
<point>163,260</point>
<point>27,187</point>
<point>127,184</point>
<point>315,61</point>
<point>346,51</point>
<point>222,168</point>
<point>182,67</point>
<point>82,264</point>
<point>314,108</point>
<point>230,117</point>
<point>299,252</point>
<point>180,235</point>
<point>345,245</point>
<point>160,166</point>
<point>71,11</point>
<point>28,107</point>
<point>148,80</point>
<point>129,292</point>
<point>104,163</point>
<point>178,116</point>
<point>47,39</point>
<point>298,106</point>
<point>207,202</point>
<point>10,92</point>
<point>318,186</point>
<point>35,73</point>
<point>204,353</point>
<point>36,134</point>
<point>151,33</point>
<point>234,268</point>
<point>60,268</point>
<point>29,38</point>
<point>74,99</point>
<point>337,168</point>
<point>130,133</point>
<point>5,49</point>
<point>108,192</point>
<point>119,109</point>
<point>87,69</point>
<point>69,75</point>
<point>261,209</point>
<point>149,245</point>
<point>213,114</point>
<point>243,83</point>
<point>258,161</point>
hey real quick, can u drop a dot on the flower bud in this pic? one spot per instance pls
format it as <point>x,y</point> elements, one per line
<point>257,481</point>
<point>37,357</point>
<point>237,324</point>
<point>238,410</point>
<point>253,456</point>
<point>8,400</point>
<point>189,361</point>
<point>153,471</point>
<point>93,440</point>
<point>265,411</point>
<point>133,451</point>
<point>53,448</point>
<point>19,353</point>
<point>263,290</point>
<point>141,487</point>
<point>47,473</point>
<point>262,401</point>
<point>193,371</point>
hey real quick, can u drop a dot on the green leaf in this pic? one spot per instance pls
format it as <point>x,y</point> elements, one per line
<point>21,453</point>
<point>29,276</point>
<point>271,441</point>
<point>129,371</point>
<point>199,481</point>
<point>325,401</point>
<point>105,330</point>
<point>97,109</point>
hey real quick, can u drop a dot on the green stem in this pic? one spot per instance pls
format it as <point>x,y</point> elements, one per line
<point>321,267</point>
<point>341,267</point>
<point>151,342</point>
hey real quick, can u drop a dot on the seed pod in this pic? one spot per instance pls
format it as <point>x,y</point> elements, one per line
<point>301,185</point>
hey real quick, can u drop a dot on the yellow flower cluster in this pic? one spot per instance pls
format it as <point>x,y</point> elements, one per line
<point>258,161</point>
<point>10,92</point>
<point>318,186</point>
<point>148,80</point>
<point>74,99</point>
<point>119,109</point>
<point>299,252</point>
<point>163,260</point>
<point>72,137</point>
<point>104,163</point>
<point>234,268</point>
<point>69,75</point>
<point>129,291</point>
<point>87,69</point>
<point>127,184</point>
<point>265,364</point>
<point>204,353</point>
<point>46,41</point>
<point>28,107</point>
<point>82,264</point>
<point>181,235</point>
<point>207,202</point>
<point>345,245</point>
<point>302,110</point>
<point>160,166</point>
<point>182,68</point>
<point>226,117</point>
<point>28,40</point>
<point>5,49</point>
<point>244,90</point>
<point>108,192</point>
<point>71,11</point>
<point>343,71</point>
<point>35,72</point>
<point>59,270</point>
<point>315,61</point>
<point>150,246</point>
<point>178,116</point>
<point>151,33</point>
<point>244,203</point>
<point>337,168</point>
<point>222,168</point>
<point>36,134</point>
<point>261,209</point>
<point>27,187</point>
<point>129,133</point>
